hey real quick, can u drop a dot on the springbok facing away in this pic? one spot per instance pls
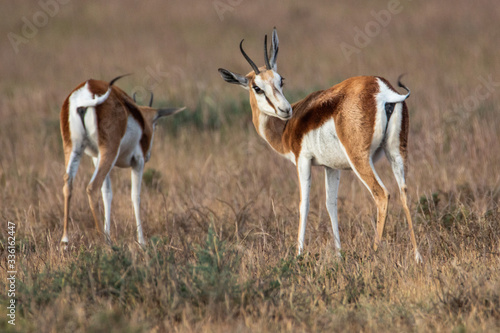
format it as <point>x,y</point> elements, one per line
<point>104,122</point>
<point>347,126</point>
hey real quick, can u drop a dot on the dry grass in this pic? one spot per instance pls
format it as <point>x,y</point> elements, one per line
<point>220,209</point>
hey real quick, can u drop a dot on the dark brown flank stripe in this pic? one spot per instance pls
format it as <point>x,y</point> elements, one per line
<point>317,108</point>
<point>403,135</point>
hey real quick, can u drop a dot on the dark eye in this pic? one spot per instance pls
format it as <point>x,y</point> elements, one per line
<point>282,83</point>
<point>258,90</point>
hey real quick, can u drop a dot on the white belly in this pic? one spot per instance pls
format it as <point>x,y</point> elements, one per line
<point>130,146</point>
<point>323,146</point>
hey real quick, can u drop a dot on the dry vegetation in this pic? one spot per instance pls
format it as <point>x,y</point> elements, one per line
<point>220,209</point>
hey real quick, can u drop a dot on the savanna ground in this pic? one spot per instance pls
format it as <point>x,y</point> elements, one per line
<point>219,208</point>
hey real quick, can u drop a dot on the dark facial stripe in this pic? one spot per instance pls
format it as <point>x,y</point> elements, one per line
<point>270,103</point>
<point>275,91</point>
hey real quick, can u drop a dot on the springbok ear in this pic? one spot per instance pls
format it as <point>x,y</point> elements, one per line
<point>274,50</point>
<point>166,112</point>
<point>233,78</point>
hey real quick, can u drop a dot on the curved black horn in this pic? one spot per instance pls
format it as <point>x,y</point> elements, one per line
<point>255,68</point>
<point>266,58</point>
<point>117,78</point>
<point>133,97</point>
<point>151,100</point>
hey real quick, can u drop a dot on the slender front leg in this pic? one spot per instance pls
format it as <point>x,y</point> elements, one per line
<point>332,180</point>
<point>137,170</point>
<point>304,173</point>
<point>107,197</point>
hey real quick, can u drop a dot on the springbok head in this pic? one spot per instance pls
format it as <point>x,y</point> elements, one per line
<point>151,114</point>
<point>264,84</point>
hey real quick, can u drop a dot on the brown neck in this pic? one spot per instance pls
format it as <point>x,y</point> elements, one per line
<point>269,128</point>
<point>285,136</point>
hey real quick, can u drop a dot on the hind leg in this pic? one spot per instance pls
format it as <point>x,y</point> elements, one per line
<point>398,163</point>
<point>105,162</point>
<point>396,152</point>
<point>72,157</point>
<point>107,197</point>
<point>362,165</point>
<point>136,178</point>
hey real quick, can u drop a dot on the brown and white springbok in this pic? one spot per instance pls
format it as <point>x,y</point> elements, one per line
<point>104,122</point>
<point>347,126</point>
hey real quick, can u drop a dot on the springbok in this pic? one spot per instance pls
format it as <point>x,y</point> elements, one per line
<point>104,122</point>
<point>347,126</point>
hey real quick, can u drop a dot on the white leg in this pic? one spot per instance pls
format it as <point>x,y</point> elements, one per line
<point>137,170</point>
<point>74,163</point>
<point>397,164</point>
<point>107,197</point>
<point>332,180</point>
<point>95,160</point>
<point>72,168</point>
<point>304,173</point>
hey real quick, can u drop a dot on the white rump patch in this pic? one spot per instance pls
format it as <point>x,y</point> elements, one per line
<point>388,95</point>
<point>84,97</point>
<point>385,95</point>
<point>80,135</point>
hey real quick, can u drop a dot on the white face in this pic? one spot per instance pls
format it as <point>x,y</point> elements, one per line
<point>267,87</point>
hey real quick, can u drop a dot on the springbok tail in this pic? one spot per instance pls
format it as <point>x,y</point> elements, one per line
<point>394,97</point>
<point>403,86</point>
